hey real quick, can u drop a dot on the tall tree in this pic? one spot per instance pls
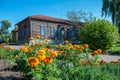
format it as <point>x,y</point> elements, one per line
<point>5,24</point>
<point>111,8</point>
<point>79,16</point>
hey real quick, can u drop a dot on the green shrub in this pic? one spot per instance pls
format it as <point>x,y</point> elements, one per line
<point>99,34</point>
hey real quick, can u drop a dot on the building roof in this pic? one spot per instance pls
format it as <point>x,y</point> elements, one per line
<point>47,18</point>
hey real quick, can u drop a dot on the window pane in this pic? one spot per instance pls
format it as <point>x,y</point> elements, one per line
<point>52,31</point>
<point>68,34</point>
<point>42,30</point>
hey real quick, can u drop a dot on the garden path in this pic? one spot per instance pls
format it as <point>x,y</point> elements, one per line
<point>107,57</point>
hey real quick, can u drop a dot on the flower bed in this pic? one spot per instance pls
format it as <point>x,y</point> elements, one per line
<point>41,61</point>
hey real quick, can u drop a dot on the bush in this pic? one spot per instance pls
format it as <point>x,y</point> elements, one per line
<point>99,34</point>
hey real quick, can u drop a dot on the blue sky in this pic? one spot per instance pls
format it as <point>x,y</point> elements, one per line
<point>16,10</point>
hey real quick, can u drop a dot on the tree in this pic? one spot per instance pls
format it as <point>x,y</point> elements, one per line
<point>80,16</point>
<point>111,8</point>
<point>5,24</point>
<point>99,34</point>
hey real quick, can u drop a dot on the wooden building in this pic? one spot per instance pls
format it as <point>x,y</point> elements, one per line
<point>47,27</point>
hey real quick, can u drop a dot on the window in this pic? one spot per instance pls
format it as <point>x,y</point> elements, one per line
<point>52,31</point>
<point>22,33</point>
<point>68,33</point>
<point>59,32</point>
<point>19,34</point>
<point>28,32</point>
<point>43,30</point>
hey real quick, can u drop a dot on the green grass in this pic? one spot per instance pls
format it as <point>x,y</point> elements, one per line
<point>115,49</point>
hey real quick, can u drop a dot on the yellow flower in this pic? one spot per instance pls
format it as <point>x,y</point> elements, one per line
<point>85,45</point>
<point>59,45</point>
<point>48,60</point>
<point>53,54</point>
<point>25,44</point>
<point>46,40</point>
<point>10,48</point>
<point>45,49</point>
<point>1,51</point>
<point>66,41</point>
<point>16,56</point>
<point>99,50</point>
<point>31,38</point>
<point>41,52</point>
<point>37,37</point>
<point>41,57</point>
<point>24,49</point>
<point>70,44</point>
<point>33,61</point>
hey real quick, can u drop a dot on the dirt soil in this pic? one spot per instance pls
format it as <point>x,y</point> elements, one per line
<point>9,74</point>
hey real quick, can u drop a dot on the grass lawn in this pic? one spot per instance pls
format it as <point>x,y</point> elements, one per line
<point>115,49</point>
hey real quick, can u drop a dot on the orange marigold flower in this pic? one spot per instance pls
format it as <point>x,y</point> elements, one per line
<point>10,48</point>
<point>113,62</point>
<point>118,59</point>
<point>41,57</point>
<point>60,52</point>
<point>103,62</point>
<point>37,43</point>
<point>83,62</point>
<point>76,46</point>
<point>37,37</point>
<point>1,46</point>
<point>24,49</point>
<point>31,38</point>
<point>48,60</point>
<point>94,53</point>
<point>66,41</point>
<point>53,54</point>
<point>70,46</point>
<point>30,50</point>
<point>99,50</point>
<point>59,45</point>
<point>33,61</point>
<point>81,47</point>
<point>85,45</point>
<point>41,52</point>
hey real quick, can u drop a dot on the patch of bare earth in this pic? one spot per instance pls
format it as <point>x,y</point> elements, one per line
<point>9,74</point>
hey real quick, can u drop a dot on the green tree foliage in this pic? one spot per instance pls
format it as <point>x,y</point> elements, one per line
<point>99,34</point>
<point>4,33</point>
<point>80,16</point>
<point>5,24</point>
<point>111,8</point>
